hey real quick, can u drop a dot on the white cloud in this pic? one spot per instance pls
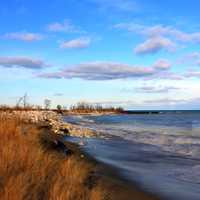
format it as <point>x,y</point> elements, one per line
<point>22,62</point>
<point>131,27</point>
<point>79,43</point>
<point>160,30</point>
<point>66,27</point>
<point>155,44</point>
<point>167,75</point>
<point>187,103</point>
<point>159,37</point>
<point>24,36</point>
<point>187,37</point>
<point>192,74</point>
<point>162,64</point>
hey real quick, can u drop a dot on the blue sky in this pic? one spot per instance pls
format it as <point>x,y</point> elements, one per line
<point>139,54</point>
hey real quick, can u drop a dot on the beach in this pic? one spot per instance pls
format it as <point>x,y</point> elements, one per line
<point>122,156</point>
<point>60,169</point>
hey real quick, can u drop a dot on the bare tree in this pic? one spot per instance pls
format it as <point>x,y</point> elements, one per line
<point>23,101</point>
<point>47,104</point>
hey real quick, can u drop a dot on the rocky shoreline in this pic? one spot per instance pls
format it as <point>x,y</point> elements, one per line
<point>54,121</point>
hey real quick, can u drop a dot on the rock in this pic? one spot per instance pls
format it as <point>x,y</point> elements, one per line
<point>53,120</point>
<point>64,130</point>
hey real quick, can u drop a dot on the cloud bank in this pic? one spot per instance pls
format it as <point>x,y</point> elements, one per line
<point>22,62</point>
<point>101,71</point>
<point>110,71</point>
<point>192,74</point>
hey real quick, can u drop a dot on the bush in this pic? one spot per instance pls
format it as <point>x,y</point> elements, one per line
<point>87,108</point>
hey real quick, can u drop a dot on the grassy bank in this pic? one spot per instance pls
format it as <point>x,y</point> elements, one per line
<point>32,167</point>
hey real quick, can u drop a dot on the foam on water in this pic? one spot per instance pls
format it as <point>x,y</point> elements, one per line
<point>182,136</point>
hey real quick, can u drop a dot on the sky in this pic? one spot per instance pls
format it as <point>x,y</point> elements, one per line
<point>138,54</point>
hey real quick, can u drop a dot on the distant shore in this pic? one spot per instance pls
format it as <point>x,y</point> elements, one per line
<point>88,112</point>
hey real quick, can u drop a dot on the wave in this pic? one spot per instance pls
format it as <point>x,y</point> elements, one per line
<point>78,119</point>
<point>163,156</point>
<point>181,141</point>
<point>177,144</point>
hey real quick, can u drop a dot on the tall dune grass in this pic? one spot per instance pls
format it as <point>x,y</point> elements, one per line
<point>28,171</point>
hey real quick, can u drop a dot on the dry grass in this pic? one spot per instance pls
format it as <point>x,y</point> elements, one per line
<point>28,171</point>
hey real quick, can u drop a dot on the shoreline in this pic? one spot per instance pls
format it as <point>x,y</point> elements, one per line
<point>109,176</point>
<point>114,186</point>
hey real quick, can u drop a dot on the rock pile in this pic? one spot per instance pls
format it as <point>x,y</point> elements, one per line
<point>63,128</point>
<point>54,121</point>
<point>37,116</point>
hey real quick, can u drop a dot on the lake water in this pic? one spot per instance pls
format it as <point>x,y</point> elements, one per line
<point>161,152</point>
